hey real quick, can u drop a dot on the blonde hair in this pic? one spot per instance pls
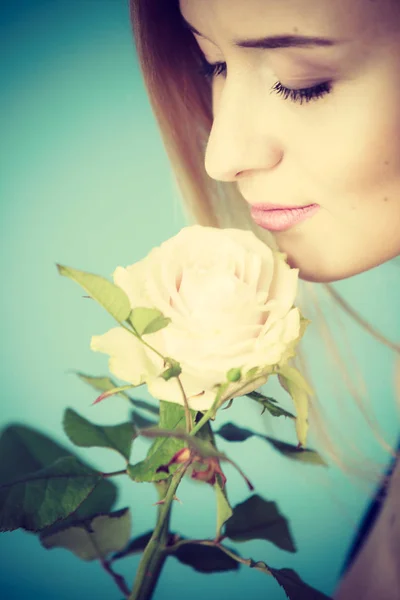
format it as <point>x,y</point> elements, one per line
<point>181,100</point>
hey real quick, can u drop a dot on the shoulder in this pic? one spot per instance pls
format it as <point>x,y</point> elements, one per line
<point>375,573</point>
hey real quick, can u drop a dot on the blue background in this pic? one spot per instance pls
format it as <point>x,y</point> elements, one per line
<point>85,182</point>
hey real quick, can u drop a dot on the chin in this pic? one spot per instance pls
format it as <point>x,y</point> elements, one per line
<point>320,277</point>
<point>317,270</point>
<point>320,271</point>
<point>323,257</point>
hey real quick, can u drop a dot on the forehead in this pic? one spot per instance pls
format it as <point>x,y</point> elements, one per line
<point>230,19</point>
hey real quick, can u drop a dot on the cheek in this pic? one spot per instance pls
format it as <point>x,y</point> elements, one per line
<point>367,155</point>
<point>361,141</point>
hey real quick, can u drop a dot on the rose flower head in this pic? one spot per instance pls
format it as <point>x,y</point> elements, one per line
<point>230,301</point>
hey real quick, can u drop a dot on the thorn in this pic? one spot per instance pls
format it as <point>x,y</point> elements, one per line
<point>163,501</point>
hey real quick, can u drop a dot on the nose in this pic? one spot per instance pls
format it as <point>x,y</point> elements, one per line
<point>240,140</point>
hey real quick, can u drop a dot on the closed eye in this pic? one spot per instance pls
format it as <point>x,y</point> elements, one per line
<point>211,70</point>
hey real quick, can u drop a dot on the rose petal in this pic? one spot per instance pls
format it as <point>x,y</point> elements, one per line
<point>131,281</point>
<point>129,358</point>
<point>283,290</point>
<point>230,300</point>
<point>292,326</point>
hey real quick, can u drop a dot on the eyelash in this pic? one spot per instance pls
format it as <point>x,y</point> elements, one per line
<point>311,93</point>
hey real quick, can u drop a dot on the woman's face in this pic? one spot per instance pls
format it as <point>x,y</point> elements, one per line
<point>340,150</point>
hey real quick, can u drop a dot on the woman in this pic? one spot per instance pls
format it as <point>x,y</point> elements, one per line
<point>284,117</point>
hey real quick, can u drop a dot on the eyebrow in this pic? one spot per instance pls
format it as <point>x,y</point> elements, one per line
<point>276,41</point>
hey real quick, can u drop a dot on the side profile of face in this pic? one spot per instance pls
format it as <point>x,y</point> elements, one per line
<point>335,144</point>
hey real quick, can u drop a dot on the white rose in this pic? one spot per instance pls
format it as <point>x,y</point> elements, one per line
<point>230,300</point>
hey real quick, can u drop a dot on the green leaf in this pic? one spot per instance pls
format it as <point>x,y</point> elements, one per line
<point>23,450</point>
<point>172,416</point>
<point>205,559</point>
<point>142,422</point>
<point>160,453</point>
<point>293,452</point>
<point>113,392</point>
<point>143,405</point>
<point>100,500</point>
<point>135,546</point>
<point>156,325</point>
<point>107,294</point>
<point>295,384</point>
<point>259,519</point>
<point>270,404</point>
<point>233,433</point>
<point>87,435</point>
<point>106,384</point>
<point>224,509</point>
<point>92,539</point>
<point>41,498</point>
<point>295,587</point>
<point>147,320</point>
<point>99,383</point>
<point>290,351</point>
<point>292,375</point>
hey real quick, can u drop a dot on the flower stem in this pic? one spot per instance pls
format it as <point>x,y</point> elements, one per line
<point>218,402</point>
<point>211,411</point>
<point>155,555</point>
<point>188,416</point>
<point>119,580</point>
<point>249,562</point>
<point>114,473</point>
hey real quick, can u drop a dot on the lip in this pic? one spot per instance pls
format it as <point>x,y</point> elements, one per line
<point>280,218</point>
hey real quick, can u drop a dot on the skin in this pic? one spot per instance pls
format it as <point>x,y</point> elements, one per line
<point>341,151</point>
